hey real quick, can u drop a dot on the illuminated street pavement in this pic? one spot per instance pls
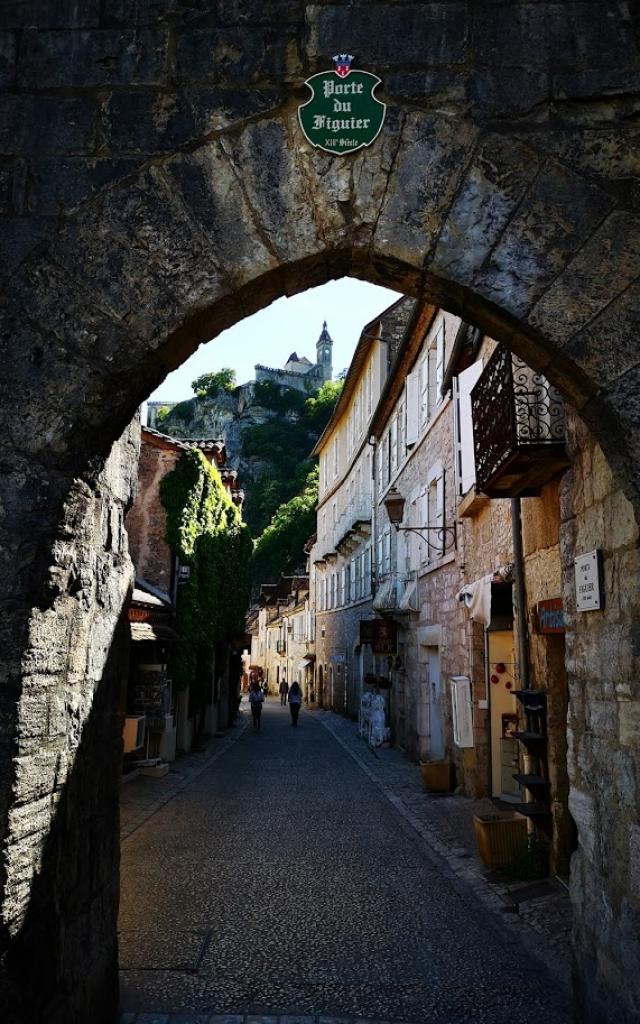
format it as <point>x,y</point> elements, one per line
<point>280,880</point>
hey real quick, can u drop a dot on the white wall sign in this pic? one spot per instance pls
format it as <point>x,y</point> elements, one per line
<point>587,569</point>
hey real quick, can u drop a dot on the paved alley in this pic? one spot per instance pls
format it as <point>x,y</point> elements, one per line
<point>279,880</point>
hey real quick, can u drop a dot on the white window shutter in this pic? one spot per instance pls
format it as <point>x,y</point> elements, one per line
<point>462,711</point>
<point>413,407</point>
<point>466,381</point>
<point>439,363</point>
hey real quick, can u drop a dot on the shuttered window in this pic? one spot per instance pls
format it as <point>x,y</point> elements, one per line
<point>466,465</point>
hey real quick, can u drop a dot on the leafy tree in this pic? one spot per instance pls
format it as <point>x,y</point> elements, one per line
<point>280,547</point>
<point>319,407</point>
<point>277,397</point>
<point>162,413</point>
<point>209,384</point>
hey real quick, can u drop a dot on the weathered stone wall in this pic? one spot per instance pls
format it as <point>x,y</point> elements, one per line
<point>147,519</point>
<point>61,851</point>
<point>154,189</point>
<point>603,666</point>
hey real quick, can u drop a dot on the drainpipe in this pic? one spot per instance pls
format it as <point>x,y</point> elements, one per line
<point>520,602</point>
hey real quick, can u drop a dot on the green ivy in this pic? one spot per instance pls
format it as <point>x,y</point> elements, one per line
<point>205,530</point>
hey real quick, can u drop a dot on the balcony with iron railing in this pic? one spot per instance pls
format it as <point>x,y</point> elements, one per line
<point>396,592</point>
<point>518,428</point>
<point>353,525</point>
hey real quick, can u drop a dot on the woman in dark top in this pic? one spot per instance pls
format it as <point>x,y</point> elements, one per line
<point>295,700</point>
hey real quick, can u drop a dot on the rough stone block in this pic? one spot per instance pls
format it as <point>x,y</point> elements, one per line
<point>497,92</point>
<point>145,122</point>
<point>429,88</point>
<point>579,295</point>
<point>428,34</point>
<point>207,186</point>
<point>162,122</point>
<point>97,58</point>
<point>56,186</point>
<point>494,185</point>
<point>432,156</point>
<point>607,348</point>
<point>232,56</point>
<point>215,109</point>
<point>557,217</point>
<point>46,124</point>
<point>19,236</point>
<point>277,189</point>
<point>601,150</point>
<point>551,34</point>
<point>48,14</point>
<point>605,82</point>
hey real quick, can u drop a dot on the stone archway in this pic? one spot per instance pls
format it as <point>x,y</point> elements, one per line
<point>175,199</point>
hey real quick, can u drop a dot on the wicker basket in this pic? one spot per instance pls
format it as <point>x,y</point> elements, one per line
<point>500,838</point>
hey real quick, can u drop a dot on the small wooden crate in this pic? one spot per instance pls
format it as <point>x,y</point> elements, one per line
<point>500,838</point>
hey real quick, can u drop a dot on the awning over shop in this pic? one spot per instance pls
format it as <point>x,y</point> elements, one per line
<point>150,631</point>
<point>304,663</point>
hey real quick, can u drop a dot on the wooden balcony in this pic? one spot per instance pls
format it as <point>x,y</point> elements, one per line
<point>518,428</point>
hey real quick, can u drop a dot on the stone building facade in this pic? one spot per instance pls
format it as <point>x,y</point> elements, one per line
<point>452,680</point>
<point>153,197</point>
<point>341,559</point>
<point>283,644</point>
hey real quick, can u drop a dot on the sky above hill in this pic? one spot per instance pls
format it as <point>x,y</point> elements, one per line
<point>288,325</point>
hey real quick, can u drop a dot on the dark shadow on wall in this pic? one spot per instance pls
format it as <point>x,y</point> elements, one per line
<point>62,966</point>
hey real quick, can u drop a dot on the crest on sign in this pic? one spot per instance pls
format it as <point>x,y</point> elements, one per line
<point>343,114</point>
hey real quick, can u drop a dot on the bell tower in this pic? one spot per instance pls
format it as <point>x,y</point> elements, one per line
<point>324,353</point>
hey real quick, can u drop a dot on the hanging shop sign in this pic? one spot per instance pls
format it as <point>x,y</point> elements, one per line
<point>588,589</point>
<point>381,634</point>
<point>385,640</point>
<point>343,114</point>
<point>550,616</point>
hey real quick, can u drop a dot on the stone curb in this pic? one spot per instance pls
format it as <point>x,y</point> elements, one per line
<point>233,737</point>
<point>465,872</point>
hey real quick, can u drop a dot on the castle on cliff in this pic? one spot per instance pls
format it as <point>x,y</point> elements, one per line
<point>298,372</point>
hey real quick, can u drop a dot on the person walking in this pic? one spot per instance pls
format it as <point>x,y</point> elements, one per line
<point>295,700</point>
<point>284,690</point>
<point>256,698</point>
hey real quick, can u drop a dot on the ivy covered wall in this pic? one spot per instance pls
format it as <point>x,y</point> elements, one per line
<point>205,530</point>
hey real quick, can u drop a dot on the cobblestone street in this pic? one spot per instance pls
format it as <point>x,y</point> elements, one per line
<point>278,876</point>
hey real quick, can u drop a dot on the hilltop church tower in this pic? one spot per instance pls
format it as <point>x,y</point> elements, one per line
<point>324,350</point>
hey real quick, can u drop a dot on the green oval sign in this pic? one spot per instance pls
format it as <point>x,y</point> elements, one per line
<point>343,114</point>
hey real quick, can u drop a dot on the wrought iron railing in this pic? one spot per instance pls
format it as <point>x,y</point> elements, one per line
<point>515,410</point>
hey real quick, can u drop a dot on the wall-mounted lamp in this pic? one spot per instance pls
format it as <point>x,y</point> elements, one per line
<point>446,535</point>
